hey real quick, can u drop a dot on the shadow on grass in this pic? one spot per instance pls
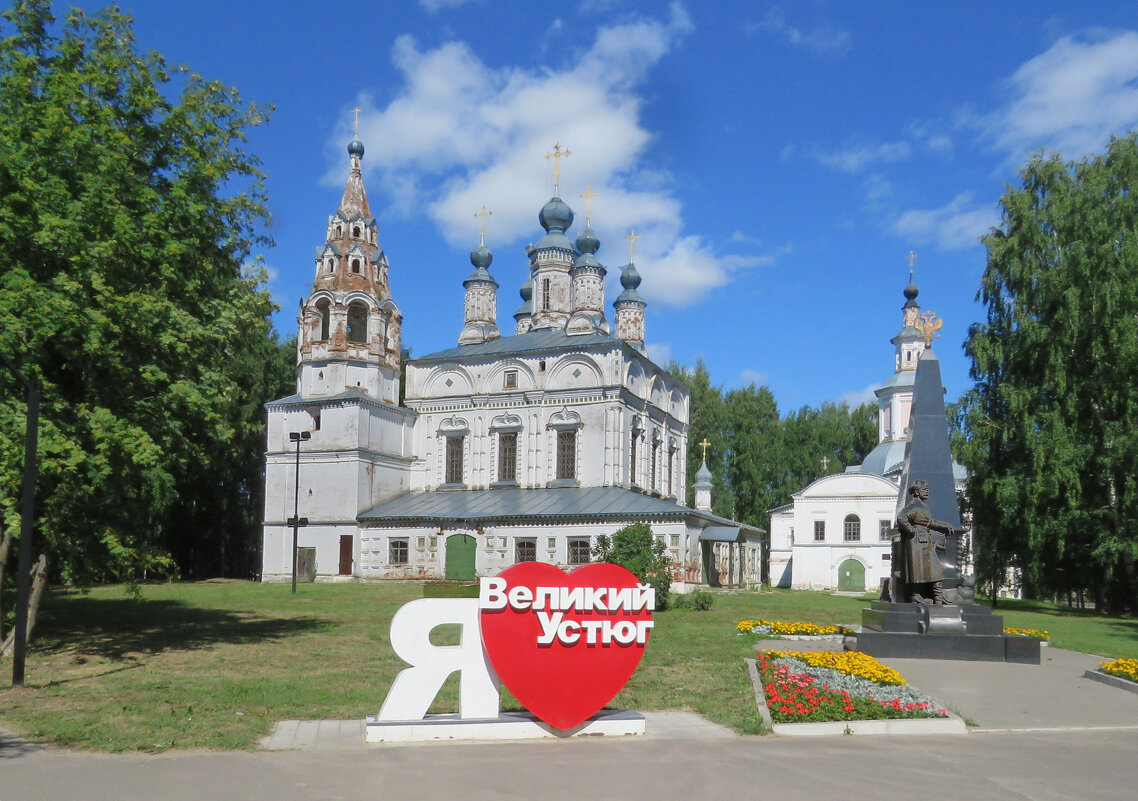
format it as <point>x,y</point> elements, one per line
<point>113,628</point>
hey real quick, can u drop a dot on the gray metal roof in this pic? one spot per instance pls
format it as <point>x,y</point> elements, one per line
<point>352,393</point>
<point>885,458</point>
<point>720,534</point>
<point>902,378</point>
<point>538,340</point>
<point>501,505</point>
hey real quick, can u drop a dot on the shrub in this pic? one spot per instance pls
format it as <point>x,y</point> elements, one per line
<point>699,600</point>
<point>634,548</point>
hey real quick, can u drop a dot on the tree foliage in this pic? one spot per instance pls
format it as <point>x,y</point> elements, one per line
<point>633,547</point>
<point>129,206</point>
<point>758,458</point>
<point>1050,438</point>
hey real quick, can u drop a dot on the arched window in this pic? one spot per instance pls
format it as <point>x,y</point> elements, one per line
<point>357,321</point>
<point>324,309</point>
<point>331,268</point>
<point>851,529</point>
<point>356,232</point>
<point>356,266</point>
<point>339,231</point>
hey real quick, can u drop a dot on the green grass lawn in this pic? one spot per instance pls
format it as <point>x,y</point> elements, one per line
<point>214,664</point>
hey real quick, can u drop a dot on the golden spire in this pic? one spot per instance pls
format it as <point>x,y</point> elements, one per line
<point>357,111</point>
<point>704,445</point>
<point>557,155</point>
<point>484,213</point>
<point>588,196</point>
<point>927,326</point>
<point>631,239</point>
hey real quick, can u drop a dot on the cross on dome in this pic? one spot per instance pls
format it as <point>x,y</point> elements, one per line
<point>557,155</point>
<point>631,239</point>
<point>588,196</point>
<point>483,213</point>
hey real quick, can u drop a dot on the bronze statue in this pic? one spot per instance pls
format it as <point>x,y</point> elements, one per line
<point>921,540</point>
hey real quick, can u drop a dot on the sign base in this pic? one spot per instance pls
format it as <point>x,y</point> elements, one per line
<point>507,726</point>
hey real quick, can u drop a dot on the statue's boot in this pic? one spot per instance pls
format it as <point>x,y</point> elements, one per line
<point>938,594</point>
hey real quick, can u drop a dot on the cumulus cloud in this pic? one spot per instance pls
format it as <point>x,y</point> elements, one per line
<point>824,39</point>
<point>958,224</point>
<point>857,397</point>
<point>460,133</point>
<point>659,352</point>
<point>856,157</point>
<point>756,377</point>
<point>1070,98</point>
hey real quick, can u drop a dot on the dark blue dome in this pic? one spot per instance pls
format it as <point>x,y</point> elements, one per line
<point>555,215</point>
<point>356,148</point>
<point>481,257</point>
<point>587,241</point>
<point>527,290</point>
<point>629,278</point>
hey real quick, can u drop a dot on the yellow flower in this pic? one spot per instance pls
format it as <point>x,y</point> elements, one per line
<point>1039,634</point>
<point>852,663</point>
<point>1123,668</point>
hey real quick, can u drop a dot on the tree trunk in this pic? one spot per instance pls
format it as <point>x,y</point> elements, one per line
<point>5,546</point>
<point>39,582</point>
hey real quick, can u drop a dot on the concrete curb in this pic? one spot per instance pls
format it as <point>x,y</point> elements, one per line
<point>906,726</point>
<point>760,693</point>
<point>1111,681</point>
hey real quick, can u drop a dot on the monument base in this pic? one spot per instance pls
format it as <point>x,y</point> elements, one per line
<point>966,632</point>
<point>507,726</point>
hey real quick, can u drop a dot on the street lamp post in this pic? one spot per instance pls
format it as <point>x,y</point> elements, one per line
<point>296,521</point>
<point>27,512</point>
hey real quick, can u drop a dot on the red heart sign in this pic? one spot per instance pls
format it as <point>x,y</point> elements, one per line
<point>564,643</point>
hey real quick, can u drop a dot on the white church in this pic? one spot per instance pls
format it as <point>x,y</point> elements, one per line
<point>508,447</point>
<point>835,533</point>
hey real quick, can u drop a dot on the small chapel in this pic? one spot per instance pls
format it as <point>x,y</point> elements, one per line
<point>836,533</point>
<point>515,445</point>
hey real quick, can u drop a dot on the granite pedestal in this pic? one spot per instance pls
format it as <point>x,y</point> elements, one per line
<point>968,632</point>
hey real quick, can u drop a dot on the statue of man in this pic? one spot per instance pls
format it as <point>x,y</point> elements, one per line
<point>921,539</point>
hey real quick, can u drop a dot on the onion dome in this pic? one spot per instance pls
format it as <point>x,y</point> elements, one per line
<point>587,241</point>
<point>911,293</point>
<point>555,215</point>
<point>480,257</point>
<point>527,297</point>
<point>356,148</point>
<point>702,477</point>
<point>630,280</point>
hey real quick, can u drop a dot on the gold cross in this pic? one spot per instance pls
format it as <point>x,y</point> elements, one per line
<point>357,111</point>
<point>631,238</point>
<point>588,196</point>
<point>704,445</point>
<point>825,462</point>
<point>557,155</point>
<point>912,258</point>
<point>483,214</point>
<point>530,248</point>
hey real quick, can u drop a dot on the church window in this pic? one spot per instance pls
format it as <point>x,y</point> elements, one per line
<point>908,355</point>
<point>851,529</point>
<point>579,551</point>
<point>397,551</point>
<point>339,231</point>
<point>356,266</point>
<point>508,457</point>
<point>655,456</point>
<point>525,549</point>
<point>545,294</point>
<point>883,529</point>
<point>632,460</point>
<point>566,454</point>
<point>316,420</point>
<point>675,540</point>
<point>819,531</point>
<point>331,266</point>
<point>324,308</point>
<point>671,466</point>
<point>454,459</point>
<point>357,322</point>
<point>511,379</point>
<point>356,232</point>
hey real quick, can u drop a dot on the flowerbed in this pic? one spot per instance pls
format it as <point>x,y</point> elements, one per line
<point>1039,634</point>
<point>784,628</point>
<point>1123,668</point>
<point>808,687</point>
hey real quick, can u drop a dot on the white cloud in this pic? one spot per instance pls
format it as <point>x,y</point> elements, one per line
<point>434,6</point>
<point>959,224</point>
<point>1070,98</point>
<point>659,352</point>
<point>756,377</point>
<point>858,156</point>
<point>459,134</point>
<point>857,397</point>
<point>823,39</point>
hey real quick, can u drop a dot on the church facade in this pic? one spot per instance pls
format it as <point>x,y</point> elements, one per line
<point>511,446</point>
<point>836,533</point>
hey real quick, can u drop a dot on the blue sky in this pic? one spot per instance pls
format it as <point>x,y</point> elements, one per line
<point>779,159</point>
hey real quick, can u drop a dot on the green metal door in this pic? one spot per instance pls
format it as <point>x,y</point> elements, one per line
<point>460,557</point>
<point>851,576</point>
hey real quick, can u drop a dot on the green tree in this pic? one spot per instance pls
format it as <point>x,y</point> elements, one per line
<point>753,431</point>
<point>822,441</point>
<point>633,547</point>
<point>707,420</point>
<point>129,206</point>
<point>1050,439</point>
